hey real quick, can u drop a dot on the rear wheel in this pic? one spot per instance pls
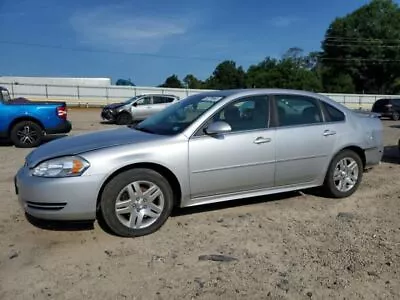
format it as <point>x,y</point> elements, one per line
<point>136,202</point>
<point>344,174</point>
<point>395,116</point>
<point>124,118</point>
<point>26,134</point>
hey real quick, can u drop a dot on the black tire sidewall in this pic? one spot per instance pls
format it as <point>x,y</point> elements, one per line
<point>14,137</point>
<point>329,182</point>
<point>395,116</point>
<point>115,185</point>
<point>124,118</point>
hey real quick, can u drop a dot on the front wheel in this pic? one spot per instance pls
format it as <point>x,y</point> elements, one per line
<point>124,118</point>
<point>136,202</point>
<point>26,134</point>
<point>395,116</point>
<point>344,174</point>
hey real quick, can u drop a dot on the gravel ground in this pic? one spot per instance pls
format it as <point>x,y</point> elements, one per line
<point>292,246</point>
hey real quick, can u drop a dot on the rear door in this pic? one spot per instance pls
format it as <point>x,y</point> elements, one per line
<point>304,141</point>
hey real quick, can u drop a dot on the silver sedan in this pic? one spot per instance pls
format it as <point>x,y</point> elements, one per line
<point>209,147</point>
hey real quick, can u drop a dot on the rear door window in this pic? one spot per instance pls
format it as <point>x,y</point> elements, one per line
<point>159,100</point>
<point>295,110</point>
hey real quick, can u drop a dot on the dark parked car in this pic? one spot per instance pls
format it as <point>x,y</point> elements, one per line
<point>387,107</point>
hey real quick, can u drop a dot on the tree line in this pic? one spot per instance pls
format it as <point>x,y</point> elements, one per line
<point>360,53</point>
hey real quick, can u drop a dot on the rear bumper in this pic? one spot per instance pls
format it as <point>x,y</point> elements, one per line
<point>373,156</point>
<point>387,114</point>
<point>64,127</point>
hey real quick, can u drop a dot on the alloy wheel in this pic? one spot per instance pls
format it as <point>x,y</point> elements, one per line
<point>27,135</point>
<point>139,204</point>
<point>346,174</point>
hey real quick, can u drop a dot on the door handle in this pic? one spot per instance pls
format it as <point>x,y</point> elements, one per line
<point>261,140</point>
<point>329,132</point>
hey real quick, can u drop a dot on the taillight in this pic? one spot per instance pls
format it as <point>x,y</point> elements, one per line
<point>62,112</point>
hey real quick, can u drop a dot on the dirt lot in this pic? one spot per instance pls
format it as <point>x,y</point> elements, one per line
<point>293,246</point>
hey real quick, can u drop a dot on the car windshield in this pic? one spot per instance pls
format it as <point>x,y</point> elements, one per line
<point>177,117</point>
<point>5,96</point>
<point>130,100</point>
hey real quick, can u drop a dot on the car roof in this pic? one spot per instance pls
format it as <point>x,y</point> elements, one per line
<point>387,99</point>
<point>156,94</point>
<point>258,91</point>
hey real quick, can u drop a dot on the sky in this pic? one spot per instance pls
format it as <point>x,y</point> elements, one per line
<point>147,41</point>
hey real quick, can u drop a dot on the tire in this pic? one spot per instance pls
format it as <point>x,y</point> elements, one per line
<point>118,188</point>
<point>395,116</point>
<point>330,184</point>
<point>26,134</point>
<point>124,118</point>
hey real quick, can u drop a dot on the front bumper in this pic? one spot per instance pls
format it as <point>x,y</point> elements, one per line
<point>64,127</point>
<point>64,199</point>
<point>108,114</point>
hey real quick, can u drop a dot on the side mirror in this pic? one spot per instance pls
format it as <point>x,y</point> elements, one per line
<point>135,104</point>
<point>218,127</point>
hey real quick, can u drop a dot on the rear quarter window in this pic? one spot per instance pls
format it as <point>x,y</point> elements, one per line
<point>332,113</point>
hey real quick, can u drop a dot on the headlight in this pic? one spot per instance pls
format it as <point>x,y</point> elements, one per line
<point>68,166</point>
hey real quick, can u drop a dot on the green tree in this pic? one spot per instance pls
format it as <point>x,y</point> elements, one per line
<point>365,46</point>
<point>192,82</point>
<point>293,71</point>
<point>336,81</point>
<point>172,82</point>
<point>127,82</point>
<point>227,76</point>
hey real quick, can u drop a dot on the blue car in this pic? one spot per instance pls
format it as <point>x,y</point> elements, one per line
<point>26,122</point>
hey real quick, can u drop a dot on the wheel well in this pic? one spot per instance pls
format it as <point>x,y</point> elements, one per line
<point>171,178</point>
<point>124,112</point>
<point>20,119</point>
<point>357,150</point>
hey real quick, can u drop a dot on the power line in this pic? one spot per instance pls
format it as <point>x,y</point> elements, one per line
<point>60,47</point>
<point>361,39</point>
<point>365,60</point>
<point>338,45</point>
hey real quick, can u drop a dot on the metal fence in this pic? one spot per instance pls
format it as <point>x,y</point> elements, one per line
<point>97,96</point>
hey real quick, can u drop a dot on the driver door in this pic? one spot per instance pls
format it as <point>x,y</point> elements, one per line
<point>141,109</point>
<point>239,161</point>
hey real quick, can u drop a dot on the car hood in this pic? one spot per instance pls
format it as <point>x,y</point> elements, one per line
<point>73,145</point>
<point>114,105</point>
